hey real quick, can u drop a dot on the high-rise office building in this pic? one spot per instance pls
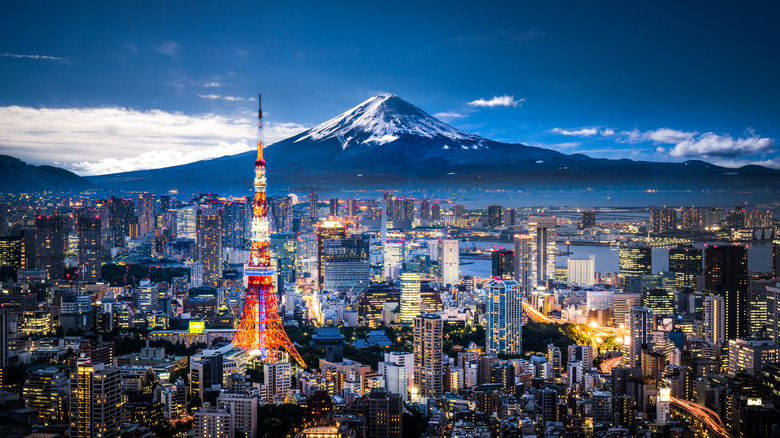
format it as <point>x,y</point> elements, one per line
<point>214,422</point>
<point>346,264</point>
<point>581,353</point>
<point>236,220</point>
<point>352,207</point>
<point>773,313</point>
<point>523,254</point>
<point>686,263</point>
<point>725,274</point>
<point>715,319</point>
<point>459,211</point>
<point>146,213</point>
<point>279,214</point>
<point>776,259</point>
<point>542,230</point>
<point>243,406</point>
<point>510,217</point>
<point>50,246</point>
<point>328,230</point>
<point>660,301</point>
<point>334,207</point>
<point>89,248</point>
<point>425,210</point>
<point>756,314</point>
<point>581,271</point>
<point>495,216</point>
<point>44,390</point>
<point>120,216</point>
<point>210,244</point>
<point>12,256</point>
<point>504,314</point>
<point>449,262</point>
<point>664,220</point>
<point>410,297</point>
<point>503,261</point>
<point>640,332</point>
<point>428,350</point>
<point>278,380</point>
<point>313,206</point>
<point>436,211</point>
<point>588,219</point>
<point>749,356</point>
<point>635,259</point>
<point>95,400</point>
<point>382,412</point>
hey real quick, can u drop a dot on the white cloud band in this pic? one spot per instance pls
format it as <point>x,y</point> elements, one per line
<point>92,141</point>
<point>504,100</point>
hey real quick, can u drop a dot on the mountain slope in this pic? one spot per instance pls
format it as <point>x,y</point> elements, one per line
<point>18,176</point>
<point>386,143</point>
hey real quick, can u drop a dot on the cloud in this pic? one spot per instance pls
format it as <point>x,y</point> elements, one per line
<point>530,34</point>
<point>688,144</point>
<point>41,57</point>
<point>504,100</point>
<point>449,115</point>
<point>226,98</point>
<point>773,163</point>
<point>584,132</point>
<point>212,85</point>
<point>92,141</point>
<point>713,145</point>
<point>169,48</point>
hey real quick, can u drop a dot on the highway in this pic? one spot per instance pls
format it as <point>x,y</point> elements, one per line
<point>607,365</point>
<point>538,316</point>
<point>708,417</point>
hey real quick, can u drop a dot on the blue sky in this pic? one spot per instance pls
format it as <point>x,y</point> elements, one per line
<point>109,86</point>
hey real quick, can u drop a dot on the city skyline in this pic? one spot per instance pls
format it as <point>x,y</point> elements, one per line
<point>159,93</point>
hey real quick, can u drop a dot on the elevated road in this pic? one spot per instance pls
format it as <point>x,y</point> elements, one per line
<point>607,365</point>
<point>707,419</point>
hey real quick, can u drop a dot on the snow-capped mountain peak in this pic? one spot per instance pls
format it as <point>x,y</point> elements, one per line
<point>383,119</point>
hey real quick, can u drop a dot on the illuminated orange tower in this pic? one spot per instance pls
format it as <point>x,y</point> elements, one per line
<point>260,330</point>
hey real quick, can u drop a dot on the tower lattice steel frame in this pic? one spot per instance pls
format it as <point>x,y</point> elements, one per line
<point>260,329</point>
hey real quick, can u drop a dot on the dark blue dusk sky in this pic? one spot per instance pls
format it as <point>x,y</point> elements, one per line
<point>109,86</point>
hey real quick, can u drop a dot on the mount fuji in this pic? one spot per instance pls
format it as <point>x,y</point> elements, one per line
<point>388,143</point>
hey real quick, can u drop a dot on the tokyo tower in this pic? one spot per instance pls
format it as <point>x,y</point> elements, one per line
<point>260,330</point>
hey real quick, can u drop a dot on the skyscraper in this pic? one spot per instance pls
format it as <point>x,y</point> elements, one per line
<point>12,256</point>
<point>588,219</point>
<point>715,319</point>
<point>776,259</point>
<point>50,246</point>
<point>334,207</point>
<point>773,313</point>
<point>428,350</point>
<point>425,210</point>
<point>581,271</point>
<point>495,216</point>
<point>635,259</point>
<point>544,251</point>
<point>89,248</point>
<point>686,263</point>
<point>146,207</point>
<point>436,211</point>
<point>328,230</point>
<point>503,263</point>
<point>210,244</point>
<point>504,313</point>
<point>313,214</point>
<point>523,254</point>
<point>120,215</point>
<point>44,390</point>
<point>346,264</point>
<point>95,400</point>
<point>725,274</point>
<point>236,217</point>
<point>449,262</point>
<point>640,329</point>
<point>664,220</point>
<point>410,297</point>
